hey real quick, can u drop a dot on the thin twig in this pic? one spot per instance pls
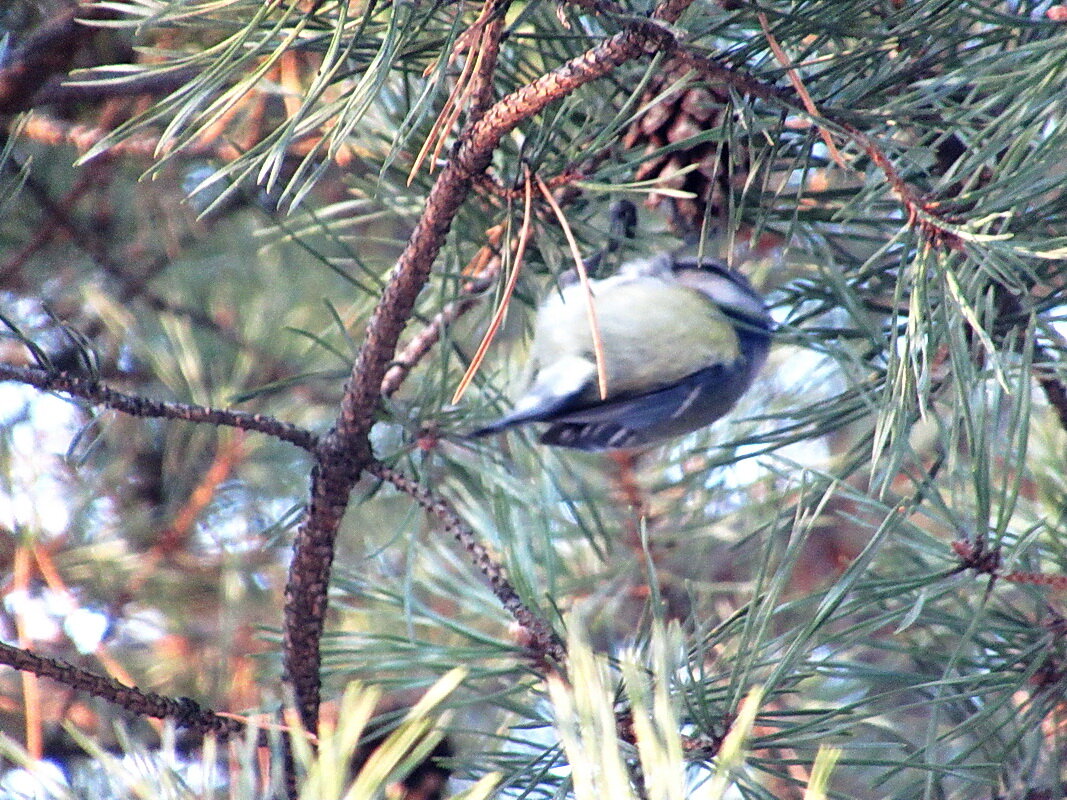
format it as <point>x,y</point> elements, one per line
<point>483,269</point>
<point>542,639</point>
<point>131,285</point>
<point>920,212</point>
<point>98,394</point>
<point>421,344</point>
<point>55,133</point>
<point>49,572</point>
<point>490,186</point>
<point>801,90</point>
<point>983,560</point>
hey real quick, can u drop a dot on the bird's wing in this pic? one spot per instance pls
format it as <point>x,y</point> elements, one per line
<point>560,388</point>
<point>634,421</point>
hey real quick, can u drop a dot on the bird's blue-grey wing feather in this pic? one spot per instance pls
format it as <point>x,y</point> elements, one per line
<point>634,421</point>
<point>541,408</point>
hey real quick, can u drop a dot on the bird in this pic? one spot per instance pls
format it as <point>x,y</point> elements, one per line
<point>683,337</point>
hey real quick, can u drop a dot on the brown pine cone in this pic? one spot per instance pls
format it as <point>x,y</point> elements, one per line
<point>682,115</point>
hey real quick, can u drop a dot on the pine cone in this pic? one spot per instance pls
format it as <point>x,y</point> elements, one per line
<point>680,116</point>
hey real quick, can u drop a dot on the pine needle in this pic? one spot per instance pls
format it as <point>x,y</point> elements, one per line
<point>798,84</point>
<point>502,309</point>
<point>583,276</point>
<point>474,40</point>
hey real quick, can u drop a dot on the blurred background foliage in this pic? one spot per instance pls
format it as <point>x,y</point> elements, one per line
<point>201,202</point>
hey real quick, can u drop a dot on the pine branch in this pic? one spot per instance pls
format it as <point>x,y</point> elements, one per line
<point>185,712</point>
<point>921,212</point>
<point>545,643</point>
<point>421,344</point>
<point>820,568</point>
<point>98,394</point>
<point>345,452</point>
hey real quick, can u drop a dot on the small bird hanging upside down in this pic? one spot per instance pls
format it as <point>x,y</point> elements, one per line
<point>683,338</point>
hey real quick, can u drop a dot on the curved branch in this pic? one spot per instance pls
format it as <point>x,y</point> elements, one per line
<point>921,212</point>
<point>345,452</point>
<point>421,343</point>
<point>470,157</point>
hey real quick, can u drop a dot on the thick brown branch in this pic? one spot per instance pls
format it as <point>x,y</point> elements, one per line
<point>345,452</point>
<point>135,406</point>
<point>744,83</point>
<point>482,90</point>
<point>186,713</point>
<point>542,639</point>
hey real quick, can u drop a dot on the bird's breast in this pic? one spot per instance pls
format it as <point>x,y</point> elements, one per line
<point>653,332</point>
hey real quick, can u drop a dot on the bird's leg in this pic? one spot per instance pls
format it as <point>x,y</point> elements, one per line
<point>623,226</point>
<point>630,489</point>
